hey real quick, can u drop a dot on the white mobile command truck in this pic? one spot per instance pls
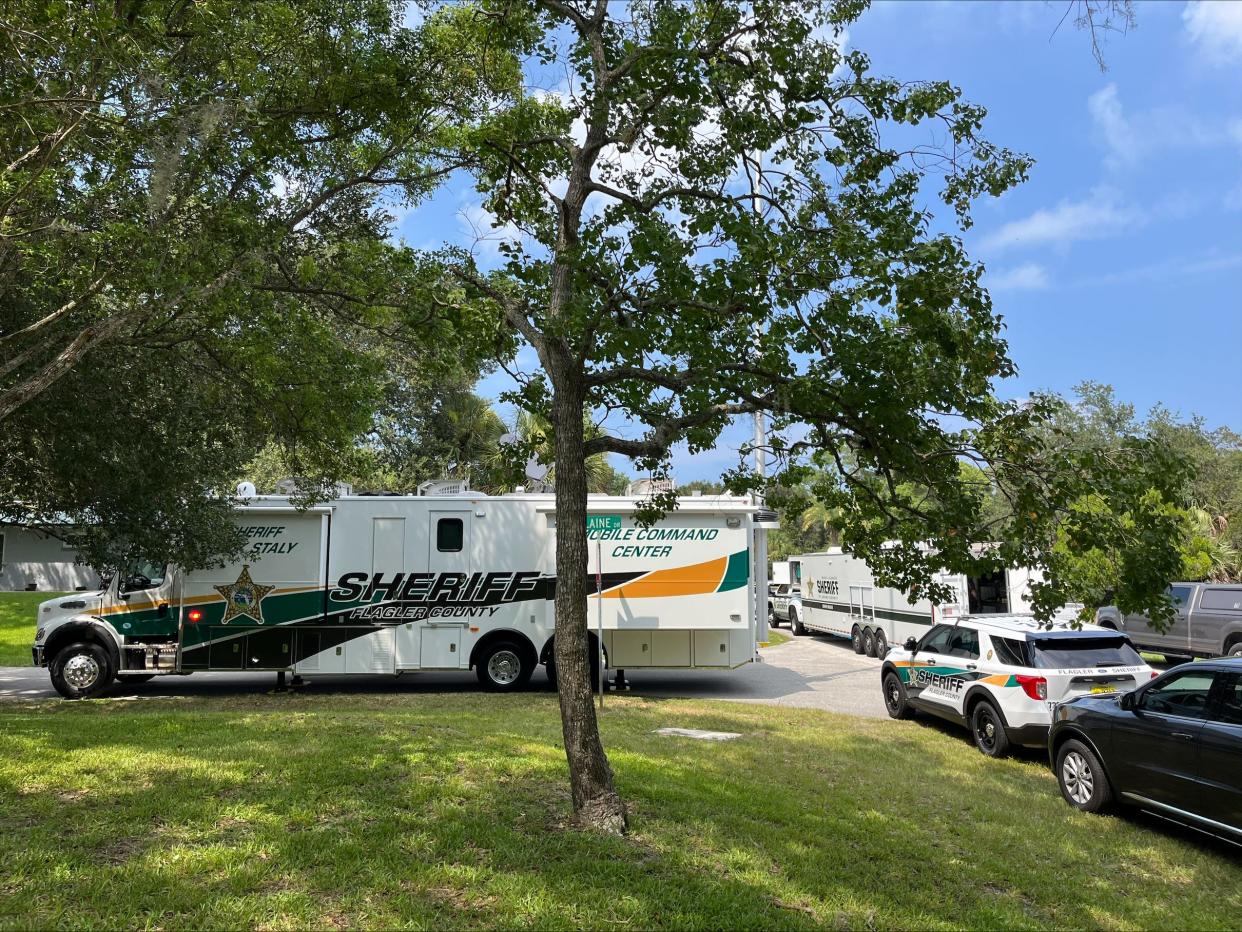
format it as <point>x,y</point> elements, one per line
<point>389,584</point>
<point>839,596</point>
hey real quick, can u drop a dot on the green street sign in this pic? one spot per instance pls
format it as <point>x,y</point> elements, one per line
<point>603,522</point>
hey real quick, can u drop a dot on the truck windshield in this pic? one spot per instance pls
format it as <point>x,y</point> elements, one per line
<point>1060,653</point>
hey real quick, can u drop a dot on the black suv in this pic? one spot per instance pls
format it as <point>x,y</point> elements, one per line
<point>1174,745</point>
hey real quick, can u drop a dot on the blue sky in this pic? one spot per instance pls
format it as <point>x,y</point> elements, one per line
<point>1121,259</point>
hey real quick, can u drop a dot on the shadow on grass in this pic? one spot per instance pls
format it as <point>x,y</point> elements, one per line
<point>428,810</point>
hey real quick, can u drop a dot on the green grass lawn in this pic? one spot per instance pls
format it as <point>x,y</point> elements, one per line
<point>432,811</point>
<point>777,637</point>
<point>17,625</point>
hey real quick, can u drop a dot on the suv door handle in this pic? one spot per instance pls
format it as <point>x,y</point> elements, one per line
<point>1183,734</point>
<point>972,666</point>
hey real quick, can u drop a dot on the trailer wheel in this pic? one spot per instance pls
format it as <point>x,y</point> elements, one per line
<point>503,667</point>
<point>856,639</point>
<point>881,643</point>
<point>82,670</point>
<point>895,697</point>
<point>795,623</point>
<point>868,640</point>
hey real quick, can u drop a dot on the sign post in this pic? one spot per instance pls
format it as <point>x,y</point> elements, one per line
<point>599,616</point>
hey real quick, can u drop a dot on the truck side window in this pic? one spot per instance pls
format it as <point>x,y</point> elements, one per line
<point>450,533</point>
<point>1180,596</point>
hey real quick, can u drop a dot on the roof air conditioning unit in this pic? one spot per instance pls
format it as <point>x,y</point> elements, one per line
<point>444,487</point>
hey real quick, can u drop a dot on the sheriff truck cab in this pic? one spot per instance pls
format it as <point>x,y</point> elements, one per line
<point>1003,675</point>
<point>390,584</point>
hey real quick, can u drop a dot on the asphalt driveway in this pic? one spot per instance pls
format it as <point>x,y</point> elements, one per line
<point>808,672</point>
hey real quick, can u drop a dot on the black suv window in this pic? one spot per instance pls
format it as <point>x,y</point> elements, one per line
<point>1184,694</point>
<point>1071,653</point>
<point>1230,709</point>
<point>964,643</point>
<point>937,639</point>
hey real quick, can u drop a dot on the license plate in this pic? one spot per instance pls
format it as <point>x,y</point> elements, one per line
<point>1103,689</point>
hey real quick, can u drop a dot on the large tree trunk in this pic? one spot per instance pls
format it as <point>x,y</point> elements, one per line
<point>596,803</point>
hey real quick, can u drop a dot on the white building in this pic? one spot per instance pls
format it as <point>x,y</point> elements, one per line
<point>33,560</point>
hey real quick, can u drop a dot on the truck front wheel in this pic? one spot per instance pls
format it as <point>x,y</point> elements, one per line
<point>82,671</point>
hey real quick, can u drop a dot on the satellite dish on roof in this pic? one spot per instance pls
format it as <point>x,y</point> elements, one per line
<point>535,470</point>
<point>246,490</point>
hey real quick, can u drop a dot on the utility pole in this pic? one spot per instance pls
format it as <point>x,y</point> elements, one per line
<point>761,464</point>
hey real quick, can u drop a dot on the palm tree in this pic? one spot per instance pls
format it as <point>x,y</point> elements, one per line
<point>828,517</point>
<point>537,432</point>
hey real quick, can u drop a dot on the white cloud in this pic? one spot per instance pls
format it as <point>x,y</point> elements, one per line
<point>1215,26</point>
<point>1105,109</point>
<point>1029,276</point>
<point>1098,216</point>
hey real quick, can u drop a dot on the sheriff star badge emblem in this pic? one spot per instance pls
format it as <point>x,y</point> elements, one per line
<point>244,597</point>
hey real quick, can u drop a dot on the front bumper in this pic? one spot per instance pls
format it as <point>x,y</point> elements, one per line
<point>36,654</point>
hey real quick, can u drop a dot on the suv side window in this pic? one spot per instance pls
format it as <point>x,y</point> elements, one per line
<point>1011,652</point>
<point>937,639</point>
<point>1229,712</point>
<point>964,643</point>
<point>1184,694</point>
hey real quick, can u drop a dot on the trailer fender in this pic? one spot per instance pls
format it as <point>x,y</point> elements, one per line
<point>508,635</point>
<point>83,628</point>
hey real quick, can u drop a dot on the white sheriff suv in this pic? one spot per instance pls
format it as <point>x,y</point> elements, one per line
<point>1002,675</point>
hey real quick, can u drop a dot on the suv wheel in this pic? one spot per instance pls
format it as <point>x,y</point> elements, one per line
<point>895,697</point>
<point>988,729</point>
<point>82,671</point>
<point>1081,777</point>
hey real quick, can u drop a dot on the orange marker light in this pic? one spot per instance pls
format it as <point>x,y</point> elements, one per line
<point>195,616</point>
<point>474,629</point>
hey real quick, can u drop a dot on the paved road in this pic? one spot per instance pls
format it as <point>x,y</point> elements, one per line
<point>807,672</point>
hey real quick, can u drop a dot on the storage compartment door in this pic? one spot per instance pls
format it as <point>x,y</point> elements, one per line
<point>441,647</point>
<point>269,650</point>
<point>630,649</point>
<point>370,653</point>
<point>670,649</point>
<point>711,649</point>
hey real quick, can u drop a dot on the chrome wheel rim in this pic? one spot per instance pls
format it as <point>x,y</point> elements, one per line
<point>1077,778</point>
<point>503,667</point>
<point>81,671</point>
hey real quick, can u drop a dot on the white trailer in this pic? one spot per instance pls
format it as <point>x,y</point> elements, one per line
<point>390,584</point>
<point>840,597</point>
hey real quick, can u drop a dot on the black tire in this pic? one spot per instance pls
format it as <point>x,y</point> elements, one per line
<point>504,667</point>
<point>856,639</point>
<point>868,637</point>
<point>82,671</point>
<point>135,677</point>
<point>988,729</point>
<point>774,620</point>
<point>1084,785</point>
<point>795,623</point>
<point>1234,650</point>
<point>895,700</point>
<point>550,668</point>
<point>881,643</point>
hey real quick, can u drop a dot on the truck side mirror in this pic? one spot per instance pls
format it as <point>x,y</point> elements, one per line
<point>911,645</point>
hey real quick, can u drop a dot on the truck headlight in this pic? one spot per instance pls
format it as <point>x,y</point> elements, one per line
<point>39,632</point>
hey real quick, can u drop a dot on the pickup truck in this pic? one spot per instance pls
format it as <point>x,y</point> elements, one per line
<point>785,604</point>
<point>1208,623</point>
